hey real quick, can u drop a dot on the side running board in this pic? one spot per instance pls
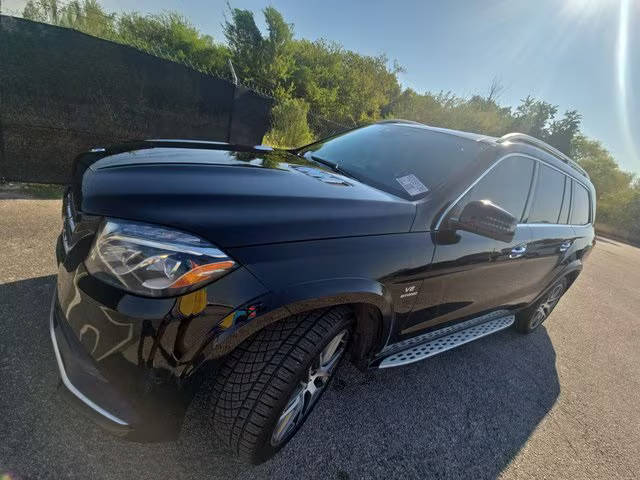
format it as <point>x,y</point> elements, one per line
<point>438,341</point>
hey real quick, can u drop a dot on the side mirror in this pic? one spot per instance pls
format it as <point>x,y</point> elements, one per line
<point>487,219</point>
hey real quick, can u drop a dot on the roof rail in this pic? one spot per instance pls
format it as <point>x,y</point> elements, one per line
<point>399,120</point>
<point>528,139</point>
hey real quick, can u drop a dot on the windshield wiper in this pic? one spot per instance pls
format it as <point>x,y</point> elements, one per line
<point>328,163</point>
<point>333,165</point>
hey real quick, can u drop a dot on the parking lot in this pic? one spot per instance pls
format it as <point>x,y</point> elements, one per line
<point>563,402</point>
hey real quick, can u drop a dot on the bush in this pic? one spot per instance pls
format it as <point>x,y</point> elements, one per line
<point>289,127</point>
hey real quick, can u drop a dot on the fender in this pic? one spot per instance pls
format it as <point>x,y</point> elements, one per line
<point>373,331</point>
<point>336,291</point>
<point>573,266</point>
<point>295,299</point>
<point>573,269</point>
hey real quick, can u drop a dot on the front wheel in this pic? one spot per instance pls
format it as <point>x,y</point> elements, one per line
<point>269,384</point>
<point>531,318</point>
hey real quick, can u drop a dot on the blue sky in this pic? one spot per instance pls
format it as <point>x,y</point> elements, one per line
<point>567,52</point>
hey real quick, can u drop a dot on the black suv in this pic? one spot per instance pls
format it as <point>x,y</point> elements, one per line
<point>261,268</point>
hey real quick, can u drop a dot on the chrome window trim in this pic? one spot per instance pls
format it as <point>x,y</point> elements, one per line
<point>65,379</point>
<point>524,155</point>
<point>551,225</point>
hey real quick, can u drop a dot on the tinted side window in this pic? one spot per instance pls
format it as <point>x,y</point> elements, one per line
<point>507,185</point>
<point>547,198</point>
<point>580,205</point>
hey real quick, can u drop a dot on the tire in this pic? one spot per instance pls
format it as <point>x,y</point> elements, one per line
<point>532,317</point>
<point>253,413</point>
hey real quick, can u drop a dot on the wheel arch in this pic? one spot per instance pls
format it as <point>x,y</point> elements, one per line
<point>570,273</point>
<point>369,301</point>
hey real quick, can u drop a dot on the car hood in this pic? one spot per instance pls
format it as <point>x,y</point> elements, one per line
<point>235,198</point>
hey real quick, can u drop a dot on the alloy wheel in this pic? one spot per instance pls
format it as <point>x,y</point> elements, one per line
<point>545,307</point>
<point>308,391</point>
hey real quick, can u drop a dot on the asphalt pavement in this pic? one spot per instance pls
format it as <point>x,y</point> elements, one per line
<point>563,402</point>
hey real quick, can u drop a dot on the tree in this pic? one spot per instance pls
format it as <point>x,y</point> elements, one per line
<point>343,85</point>
<point>615,190</point>
<point>533,117</point>
<point>46,11</point>
<point>289,127</point>
<point>87,16</point>
<point>561,133</point>
<point>495,90</point>
<point>263,62</point>
<point>173,36</point>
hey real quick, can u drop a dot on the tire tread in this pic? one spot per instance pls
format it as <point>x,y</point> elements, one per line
<point>257,374</point>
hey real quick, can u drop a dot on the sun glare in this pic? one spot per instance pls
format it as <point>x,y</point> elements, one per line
<point>587,8</point>
<point>622,76</point>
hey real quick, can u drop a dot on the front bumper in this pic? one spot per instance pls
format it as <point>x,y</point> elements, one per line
<point>130,362</point>
<point>124,400</point>
<point>70,357</point>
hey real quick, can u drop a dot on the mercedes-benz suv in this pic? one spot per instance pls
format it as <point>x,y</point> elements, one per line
<point>262,268</point>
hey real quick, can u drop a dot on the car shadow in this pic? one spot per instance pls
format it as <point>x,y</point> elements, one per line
<point>463,414</point>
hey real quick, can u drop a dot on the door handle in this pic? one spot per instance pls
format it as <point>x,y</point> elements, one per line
<point>517,252</point>
<point>565,246</point>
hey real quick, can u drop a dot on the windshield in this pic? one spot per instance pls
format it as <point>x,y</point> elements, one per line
<point>402,159</point>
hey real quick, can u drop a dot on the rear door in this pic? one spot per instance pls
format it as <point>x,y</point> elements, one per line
<point>581,219</point>
<point>552,234</point>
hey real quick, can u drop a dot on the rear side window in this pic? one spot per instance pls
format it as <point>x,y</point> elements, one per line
<point>507,185</point>
<point>580,205</point>
<point>547,198</point>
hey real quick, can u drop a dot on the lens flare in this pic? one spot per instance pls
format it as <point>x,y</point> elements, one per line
<point>622,61</point>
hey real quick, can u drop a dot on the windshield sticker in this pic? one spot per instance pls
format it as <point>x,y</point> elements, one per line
<point>412,185</point>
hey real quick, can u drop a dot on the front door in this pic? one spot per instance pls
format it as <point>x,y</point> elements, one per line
<point>471,274</point>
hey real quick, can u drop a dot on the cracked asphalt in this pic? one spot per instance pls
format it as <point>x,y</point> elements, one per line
<point>563,402</point>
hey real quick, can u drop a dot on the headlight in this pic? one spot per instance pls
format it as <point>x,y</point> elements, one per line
<point>154,261</point>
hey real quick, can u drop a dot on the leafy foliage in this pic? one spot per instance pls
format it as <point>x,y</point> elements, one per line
<point>289,126</point>
<point>617,192</point>
<point>173,34</point>
<point>87,16</point>
<point>314,81</point>
<point>265,62</point>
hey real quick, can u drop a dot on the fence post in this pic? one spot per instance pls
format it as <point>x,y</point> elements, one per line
<point>234,80</point>
<point>234,77</point>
